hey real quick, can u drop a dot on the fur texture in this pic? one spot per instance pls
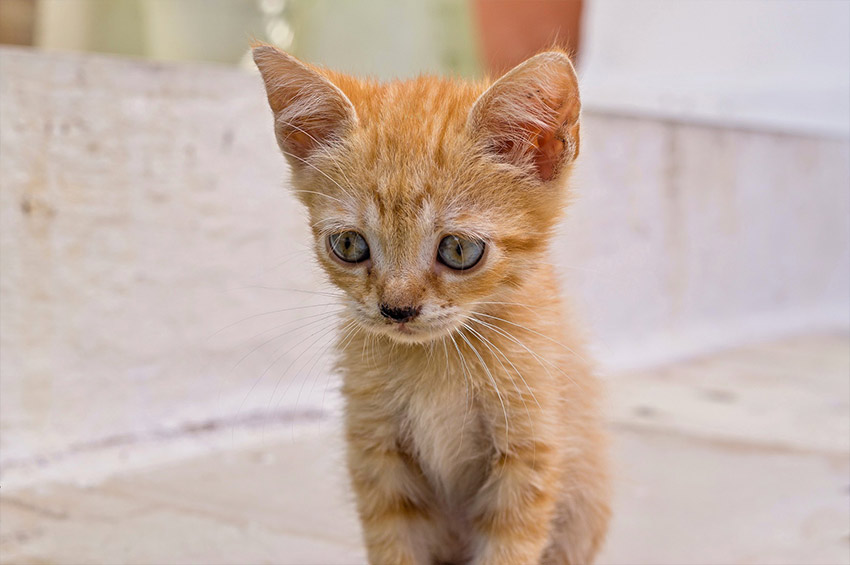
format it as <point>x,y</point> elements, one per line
<point>473,429</point>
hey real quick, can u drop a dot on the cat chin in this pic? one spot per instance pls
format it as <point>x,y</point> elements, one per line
<point>400,333</point>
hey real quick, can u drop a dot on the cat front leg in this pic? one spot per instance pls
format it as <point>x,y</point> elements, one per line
<point>393,498</point>
<point>515,507</point>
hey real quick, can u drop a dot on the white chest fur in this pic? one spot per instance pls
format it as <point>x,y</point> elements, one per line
<point>448,438</point>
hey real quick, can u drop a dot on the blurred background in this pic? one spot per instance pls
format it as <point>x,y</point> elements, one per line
<point>165,333</point>
<point>779,62</point>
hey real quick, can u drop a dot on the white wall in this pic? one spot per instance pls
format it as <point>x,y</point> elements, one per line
<point>143,212</point>
<point>779,64</point>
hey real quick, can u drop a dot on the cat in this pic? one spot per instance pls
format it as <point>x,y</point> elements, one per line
<point>471,413</point>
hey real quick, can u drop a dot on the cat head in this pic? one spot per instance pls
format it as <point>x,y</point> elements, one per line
<point>431,198</point>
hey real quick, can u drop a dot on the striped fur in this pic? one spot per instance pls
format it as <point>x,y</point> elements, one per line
<point>473,431</point>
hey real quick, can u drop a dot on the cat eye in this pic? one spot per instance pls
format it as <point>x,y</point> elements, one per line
<point>460,253</point>
<point>349,246</point>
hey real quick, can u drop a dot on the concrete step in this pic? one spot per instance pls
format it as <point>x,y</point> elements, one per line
<point>706,472</point>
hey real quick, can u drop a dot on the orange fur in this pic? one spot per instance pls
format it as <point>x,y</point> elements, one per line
<point>473,429</point>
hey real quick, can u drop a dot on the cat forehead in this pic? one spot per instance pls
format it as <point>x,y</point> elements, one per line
<point>406,215</point>
<point>410,158</point>
<point>423,118</point>
<point>424,100</point>
<point>412,148</point>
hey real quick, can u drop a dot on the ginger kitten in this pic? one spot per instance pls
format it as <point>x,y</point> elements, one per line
<point>471,420</point>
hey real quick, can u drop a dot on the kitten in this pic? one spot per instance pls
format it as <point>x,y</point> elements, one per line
<point>471,415</point>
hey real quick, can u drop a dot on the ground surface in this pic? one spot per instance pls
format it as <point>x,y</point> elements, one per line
<point>738,457</point>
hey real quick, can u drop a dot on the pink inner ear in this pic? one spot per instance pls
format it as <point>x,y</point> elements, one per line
<point>301,140</point>
<point>529,117</point>
<point>550,144</point>
<point>309,110</point>
<point>544,148</point>
<point>298,144</point>
<point>547,155</point>
<point>301,133</point>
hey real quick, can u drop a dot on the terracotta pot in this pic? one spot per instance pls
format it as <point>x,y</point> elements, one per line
<point>512,30</point>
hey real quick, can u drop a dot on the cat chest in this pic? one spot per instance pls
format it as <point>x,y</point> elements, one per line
<point>450,442</point>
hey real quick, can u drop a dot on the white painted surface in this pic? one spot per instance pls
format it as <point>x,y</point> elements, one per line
<point>687,238</point>
<point>775,64</point>
<point>142,211</point>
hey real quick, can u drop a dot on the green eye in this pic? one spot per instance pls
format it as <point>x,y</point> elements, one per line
<point>349,246</point>
<point>459,253</point>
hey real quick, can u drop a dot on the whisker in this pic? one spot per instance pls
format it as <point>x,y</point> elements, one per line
<point>344,343</point>
<point>373,345</point>
<point>318,144</point>
<point>260,378</point>
<point>323,332</point>
<point>315,362</point>
<point>487,341</point>
<point>322,316</point>
<point>316,357</point>
<point>284,259</point>
<point>363,349</point>
<point>269,313</point>
<point>526,306</point>
<point>281,288</point>
<point>544,336</point>
<point>466,378</point>
<point>490,345</point>
<point>446,351</point>
<point>536,356</point>
<point>321,172</point>
<point>320,194</point>
<point>493,381</point>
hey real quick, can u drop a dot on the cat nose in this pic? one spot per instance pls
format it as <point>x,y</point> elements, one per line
<point>399,315</point>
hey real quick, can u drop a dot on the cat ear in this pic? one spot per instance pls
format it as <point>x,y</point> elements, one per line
<point>309,110</point>
<point>530,117</point>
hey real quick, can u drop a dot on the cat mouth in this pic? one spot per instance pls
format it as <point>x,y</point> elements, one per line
<point>406,332</point>
<point>409,331</point>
